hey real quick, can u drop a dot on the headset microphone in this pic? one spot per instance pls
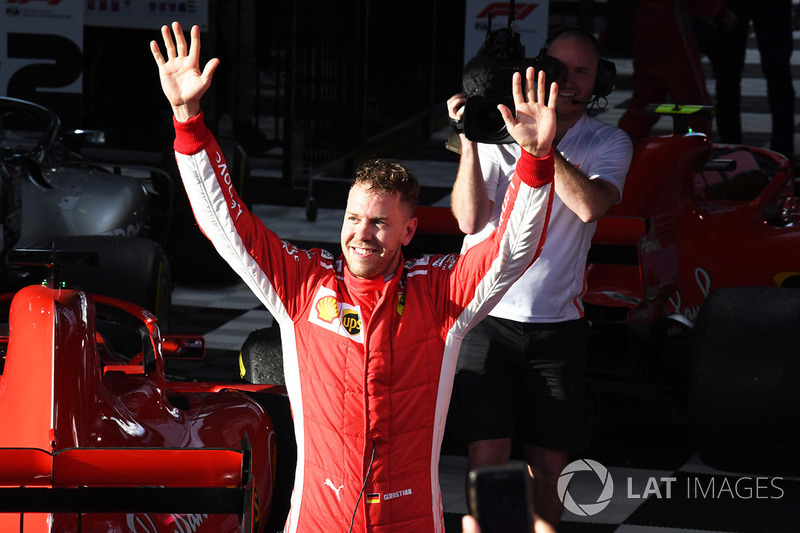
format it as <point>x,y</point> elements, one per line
<point>575,101</point>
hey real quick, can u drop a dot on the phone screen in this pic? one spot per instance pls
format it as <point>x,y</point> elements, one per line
<point>499,499</point>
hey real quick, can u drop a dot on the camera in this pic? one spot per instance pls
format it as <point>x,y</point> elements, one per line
<point>487,83</point>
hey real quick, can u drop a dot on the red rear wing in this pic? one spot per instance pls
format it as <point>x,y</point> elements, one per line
<point>110,480</point>
<point>199,467</point>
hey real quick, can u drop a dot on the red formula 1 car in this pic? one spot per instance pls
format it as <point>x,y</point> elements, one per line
<point>700,217</point>
<point>94,438</point>
<point>696,273</point>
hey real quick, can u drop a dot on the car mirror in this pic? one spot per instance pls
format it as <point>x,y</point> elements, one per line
<point>174,346</point>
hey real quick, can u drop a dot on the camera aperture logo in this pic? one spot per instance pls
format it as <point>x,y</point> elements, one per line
<point>585,509</point>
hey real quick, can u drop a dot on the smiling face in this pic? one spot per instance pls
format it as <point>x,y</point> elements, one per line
<point>376,225</point>
<point>580,60</point>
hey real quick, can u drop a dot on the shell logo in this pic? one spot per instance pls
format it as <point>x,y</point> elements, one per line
<point>327,309</point>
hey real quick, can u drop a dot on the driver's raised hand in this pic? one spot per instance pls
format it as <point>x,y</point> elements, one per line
<point>534,127</point>
<point>182,80</point>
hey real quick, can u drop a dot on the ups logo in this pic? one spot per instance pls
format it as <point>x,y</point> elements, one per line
<point>351,322</point>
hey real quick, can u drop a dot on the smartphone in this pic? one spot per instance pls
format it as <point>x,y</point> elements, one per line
<point>499,498</point>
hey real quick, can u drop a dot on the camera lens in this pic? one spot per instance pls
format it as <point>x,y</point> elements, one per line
<point>489,119</point>
<point>483,122</point>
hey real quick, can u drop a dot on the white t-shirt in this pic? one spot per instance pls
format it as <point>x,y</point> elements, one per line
<point>551,289</point>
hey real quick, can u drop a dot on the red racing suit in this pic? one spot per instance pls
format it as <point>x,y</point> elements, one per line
<point>369,363</point>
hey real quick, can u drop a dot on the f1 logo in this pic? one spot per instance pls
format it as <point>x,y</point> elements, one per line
<point>502,9</point>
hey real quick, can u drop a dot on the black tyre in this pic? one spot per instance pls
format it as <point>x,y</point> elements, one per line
<point>128,268</point>
<point>744,400</point>
<point>261,357</point>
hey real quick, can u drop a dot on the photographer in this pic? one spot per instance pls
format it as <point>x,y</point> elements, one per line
<point>521,371</point>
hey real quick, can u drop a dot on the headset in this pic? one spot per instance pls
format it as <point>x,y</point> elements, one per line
<point>606,78</point>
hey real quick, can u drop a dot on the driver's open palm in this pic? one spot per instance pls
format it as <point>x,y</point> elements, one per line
<point>534,127</point>
<point>182,80</point>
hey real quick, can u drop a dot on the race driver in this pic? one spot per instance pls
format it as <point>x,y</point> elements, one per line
<point>369,339</point>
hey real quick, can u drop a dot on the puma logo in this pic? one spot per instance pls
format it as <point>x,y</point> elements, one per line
<point>329,483</point>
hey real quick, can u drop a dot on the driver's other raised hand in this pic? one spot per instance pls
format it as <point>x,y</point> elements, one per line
<point>534,127</point>
<point>182,80</point>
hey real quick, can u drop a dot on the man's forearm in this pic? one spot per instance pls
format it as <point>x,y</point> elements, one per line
<point>469,199</point>
<point>587,198</point>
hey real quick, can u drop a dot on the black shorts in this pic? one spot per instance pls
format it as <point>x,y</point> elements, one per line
<point>527,381</point>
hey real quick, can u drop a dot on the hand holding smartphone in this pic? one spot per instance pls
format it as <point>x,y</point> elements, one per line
<point>500,498</point>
